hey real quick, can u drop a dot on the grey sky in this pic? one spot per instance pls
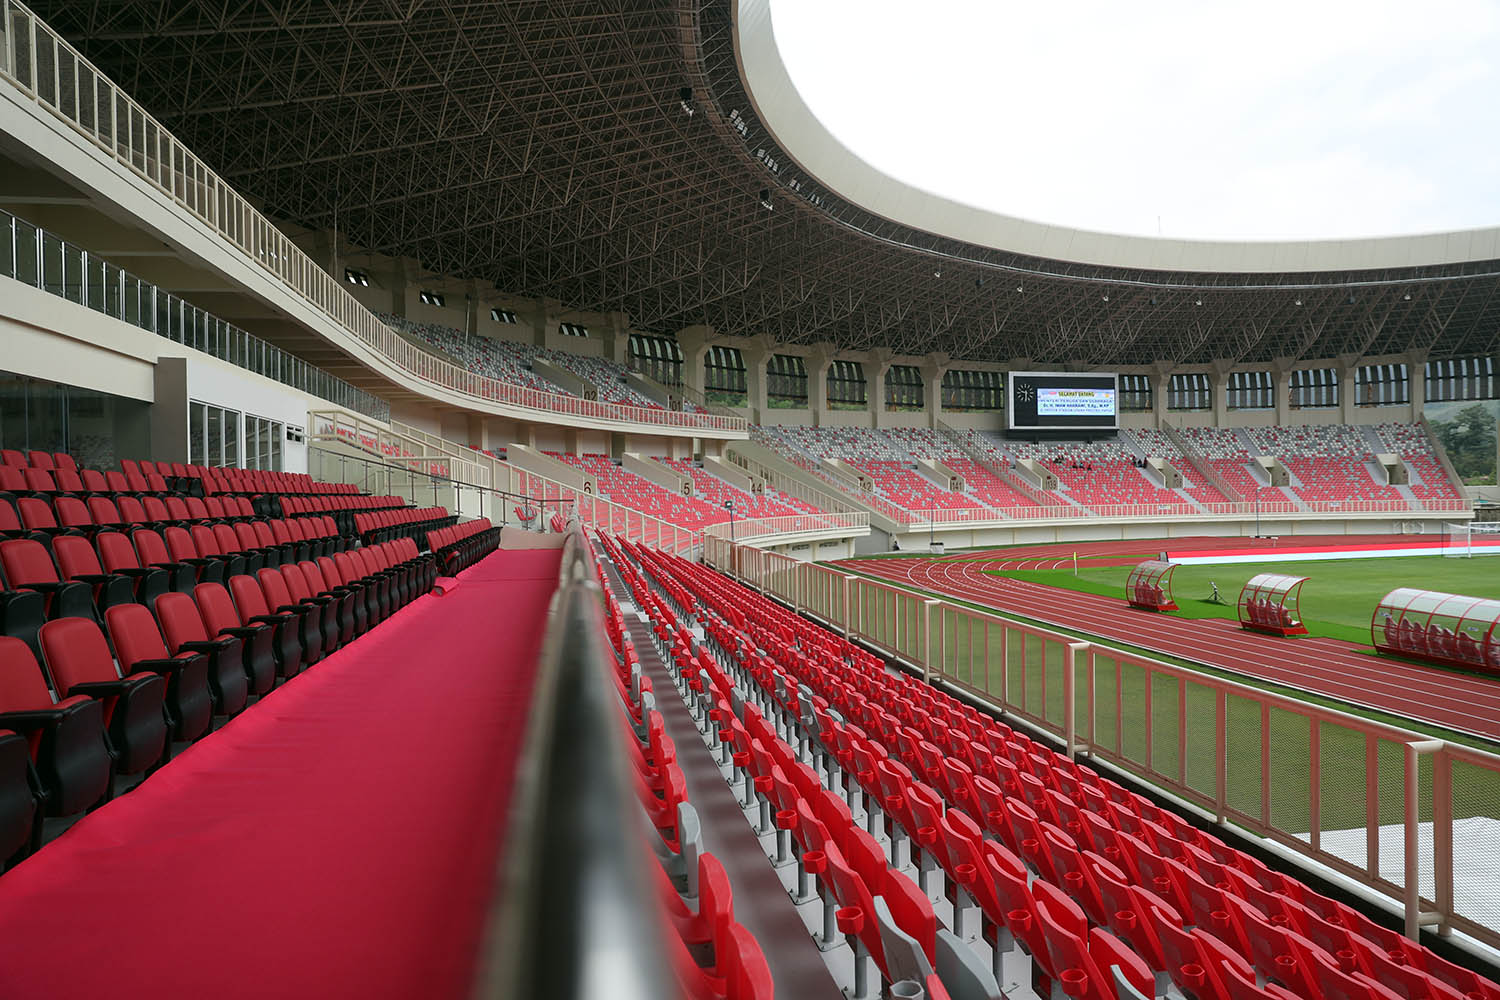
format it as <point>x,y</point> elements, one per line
<point>1273,120</point>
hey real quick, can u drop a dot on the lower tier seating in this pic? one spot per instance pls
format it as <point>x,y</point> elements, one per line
<point>1028,856</point>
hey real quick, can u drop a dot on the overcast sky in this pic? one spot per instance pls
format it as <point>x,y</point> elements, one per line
<point>1277,119</point>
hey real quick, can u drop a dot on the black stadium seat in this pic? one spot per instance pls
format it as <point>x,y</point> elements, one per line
<point>138,643</point>
<point>182,625</point>
<point>69,750</point>
<point>258,655</point>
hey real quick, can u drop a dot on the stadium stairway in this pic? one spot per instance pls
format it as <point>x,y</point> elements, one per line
<point>760,900</point>
<point>343,834</point>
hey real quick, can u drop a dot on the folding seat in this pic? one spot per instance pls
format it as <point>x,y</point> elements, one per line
<point>309,617</point>
<point>257,641</point>
<point>197,511</point>
<point>139,648</point>
<point>79,661</point>
<point>1012,888</point>
<point>118,557</point>
<point>293,550</point>
<point>13,458</point>
<point>322,577</point>
<point>182,625</point>
<point>77,560</point>
<point>40,460</point>
<point>156,511</point>
<point>215,508</point>
<point>1073,875</point>
<point>304,593</point>
<point>1195,960</point>
<point>1082,957</point>
<point>27,565</point>
<point>354,574</point>
<point>37,517</point>
<point>182,550</point>
<point>250,543</point>
<point>1128,907</point>
<point>117,483</point>
<point>156,483</point>
<point>19,829</point>
<point>1243,986</point>
<point>105,513</point>
<point>69,481</point>
<point>39,481</point>
<point>152,551</point>
<point>12,480</point>
<point>10,521</point>
<point>207,544</point>
<point>177,511</point>
<point>73,515</point>
<point>228,544</point>
<point>252,609</point>
<point>66,739</point>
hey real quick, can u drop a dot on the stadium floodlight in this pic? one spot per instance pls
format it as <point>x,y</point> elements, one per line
<point>765,199</point>
<point>685,96</point>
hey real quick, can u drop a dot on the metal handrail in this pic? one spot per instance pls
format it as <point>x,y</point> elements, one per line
<point>574,917</point>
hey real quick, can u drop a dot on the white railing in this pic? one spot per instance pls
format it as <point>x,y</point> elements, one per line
<point>1334,787</point>
<point>976,515</point>
<point>744,529</point>
<point>49,71</point>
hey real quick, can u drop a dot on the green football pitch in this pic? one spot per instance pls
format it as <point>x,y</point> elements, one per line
<point>1337,600</point>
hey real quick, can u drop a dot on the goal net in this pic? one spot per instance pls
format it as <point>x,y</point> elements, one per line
<point>1464,540</point>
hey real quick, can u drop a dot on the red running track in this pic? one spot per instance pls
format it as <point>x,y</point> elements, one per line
<point>1317,665</point>
<point>338,839</point>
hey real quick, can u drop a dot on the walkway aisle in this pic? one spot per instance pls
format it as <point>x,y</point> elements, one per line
<point>338,839</point>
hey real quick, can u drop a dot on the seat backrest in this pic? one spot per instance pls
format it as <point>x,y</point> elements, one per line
<point>68,480</point>
<point>296,582</point>
<point>176,509</point>
<point>75,556</point>
<point>116,552</point>
<point>104,511</point>
<point>204,541</point>
<point>36,514</point>
<point>72,512</point>
<point>215,507</point>
<point>279,532</point>
<point>274,585</point>
<point>76,653</point>
<point>225,539</point>
<point>263,536</point>
<point>11,478</point>
<point>9,519</point>
<point>155,483</point>
<point>134,633</point>
<point>249,599</point>
<point>196,509</point>
<point>22,686</point>
<point>246,535</point>
<point>317,582</point>
<point>116,481</point>
<point>40,480</point>
<point>155,509</point>
<point>215,607</point>
<point>179,543</point>
<point>180,621</point>
<point>150,547</point>
<point>25,560</point>
<point>40,460</point>
<point>13,458</point>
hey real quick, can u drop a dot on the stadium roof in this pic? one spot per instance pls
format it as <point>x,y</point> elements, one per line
<point>548,148</point>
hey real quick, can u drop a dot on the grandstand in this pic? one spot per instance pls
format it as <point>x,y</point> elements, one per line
<point>429,494</point>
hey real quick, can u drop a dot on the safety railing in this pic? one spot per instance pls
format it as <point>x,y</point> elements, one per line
<point>573,903</point>
<point>1412,818</point>
<point>747,528</point>
<point>42,260</point>
<point>49,71</point>
<point>973,515</point>
<point>497,490</point>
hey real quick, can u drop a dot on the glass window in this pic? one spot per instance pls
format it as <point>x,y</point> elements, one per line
<point>1251,391</point>
<point>278,432</point>
<point>197,446</point>
<point>1135,393</point>
<point>724,376</point>
<point>1189,391</point>
<point>231,437</point>
<point>1380,385</point>
<point>215,437</point>
<point>786,381</point>
<point>973,390</point>
<point>846,385</point>
<point>903,388</point>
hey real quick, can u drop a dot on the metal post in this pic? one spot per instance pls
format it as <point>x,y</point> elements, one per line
<point>1412,888</point>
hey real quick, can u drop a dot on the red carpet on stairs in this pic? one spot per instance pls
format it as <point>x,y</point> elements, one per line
<point>338,839</point>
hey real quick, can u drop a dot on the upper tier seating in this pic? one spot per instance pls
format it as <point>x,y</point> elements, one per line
<point>1227,452</point>
<point>631,490</point>
<point>1097,473</point>
<point>510,361</point>
<point>1155,443</point>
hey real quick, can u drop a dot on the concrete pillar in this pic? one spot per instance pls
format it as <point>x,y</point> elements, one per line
<point>756,355</point>
<point>406,285</point>
<point>615,337</point>
<point>934,367</point>
<point>479,431</point>
<point>1416,383</point>
<point>542,315</point>
<point>818,363</point>
<point>1160,379</point>
<point>1220,376</point>
<point>694,341</point>
<point>1347,365</point>
<point>876,366</point>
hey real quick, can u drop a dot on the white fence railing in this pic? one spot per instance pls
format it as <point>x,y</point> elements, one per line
<point>49,71</point>
<point>748,528</point>
<point>1413,818</point>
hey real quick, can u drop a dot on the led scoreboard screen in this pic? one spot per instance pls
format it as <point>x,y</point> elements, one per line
<point>1059,401</point>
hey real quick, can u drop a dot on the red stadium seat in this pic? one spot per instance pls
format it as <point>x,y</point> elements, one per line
<point>258,653</point>
<point>79,661</point>
<point>138,644</point>
<point>66,738</point>
<point>182,625</point>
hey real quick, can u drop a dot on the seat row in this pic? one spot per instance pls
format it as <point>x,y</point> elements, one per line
<point>74,575</point>
<point>214,480</point>
<point>63,514</point>
<point>1214,920</point>
<point>713,956</point>
<point>94,699</point>
<point>44,482</point>
<point>864,901</point>
<point>328,504</point>
<point>405,522</point>
<point>462,545</point>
